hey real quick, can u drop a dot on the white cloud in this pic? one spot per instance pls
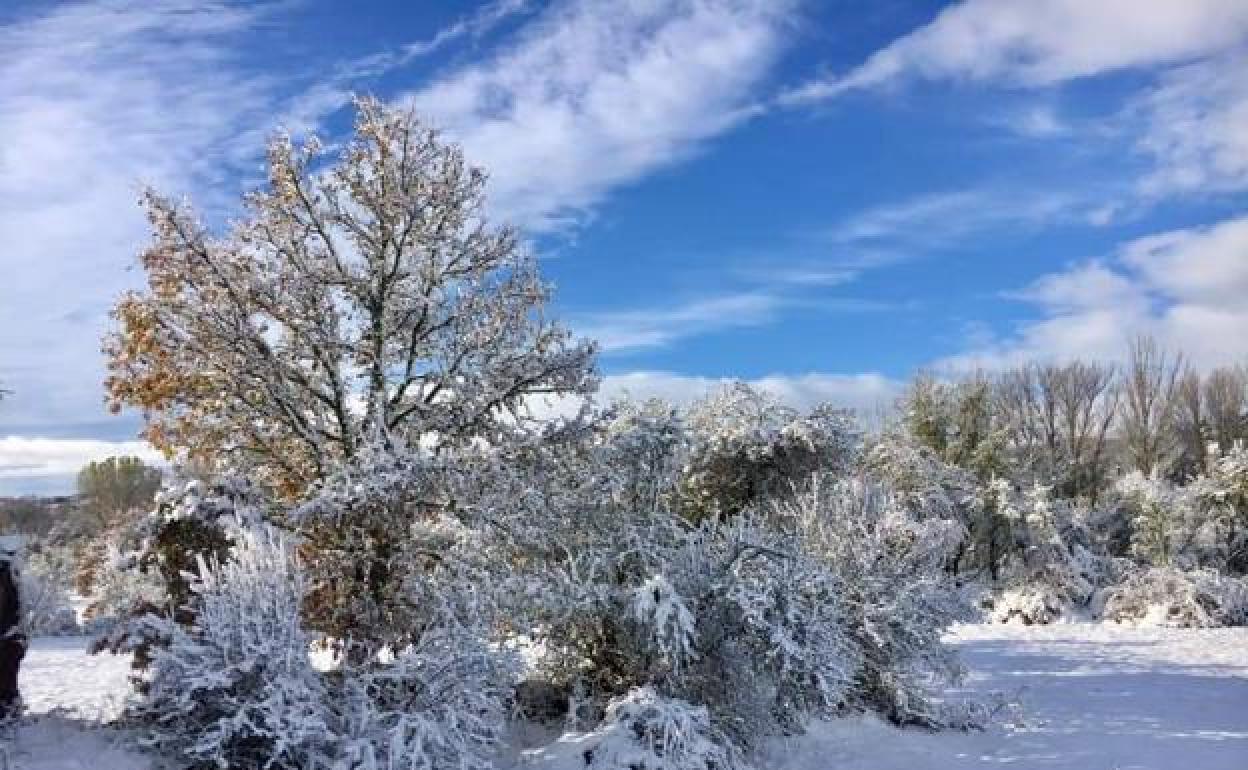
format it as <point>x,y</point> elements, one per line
<point>1196,127</point>
<point>657,327</point>
<point>96,98</point>
<point>594,94</point>
<point>1041,42</point>
<point>305,113</point>
<point>945,218</point>
<point>45,464</point>
<point>1188,288</point>
<point>1190,123</point>
<point>1036,121</point>
<point>1205,266</point>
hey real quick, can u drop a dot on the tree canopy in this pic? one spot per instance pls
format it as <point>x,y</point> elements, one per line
<point>367,293</point>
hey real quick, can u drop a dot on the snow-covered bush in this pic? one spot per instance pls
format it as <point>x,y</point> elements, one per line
<point>1157,510</point>
<point>1221,496</point>
<point>1051,567</point>
<point>646,446</point>
<point>732,614</point>
<point>399,586</point>
<point>1027,604</point>
<point>193,521</point>
<point>387,554</point>
<point>436,704</point>
<point>46,576</point>
<point>919,480</point>
<point>746,447</point>
<point>236,687</point>
<point>898,599</point>
<point>118,589</point>
<point>643,730</point>
<point>1167,596</point>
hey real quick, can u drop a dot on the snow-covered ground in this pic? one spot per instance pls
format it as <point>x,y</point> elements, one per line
<point>68,693</point>
<point>1093,697</point>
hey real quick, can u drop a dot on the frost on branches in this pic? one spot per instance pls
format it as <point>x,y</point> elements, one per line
<point>897,598</point>
<point>808,602</point>
<point>1165,596</point>
<point>237,687</point>
<point>746,447</point>
<point>372,292</point>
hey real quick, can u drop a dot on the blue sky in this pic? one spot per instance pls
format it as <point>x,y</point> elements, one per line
<point>820,197</point>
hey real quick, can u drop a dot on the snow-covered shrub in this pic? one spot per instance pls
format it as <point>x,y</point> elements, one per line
<point>436,704</point>
<point>118,589</point>
<point>1221,496</point>
<point>387,556</point>
<point>898,599</point>
<point>919,480</point>
<point>745,447</point>
<point>400,586</point>
<point>193,521</point>
<point>643,730</point>
<point>645,444</point>
<point>732,614</point>
<point>46,575</point>
<point>1157,511</point>
<point>1027,604</point>
<point>1167,596</point>
<point>236,687</point>
<point>1051,567</point>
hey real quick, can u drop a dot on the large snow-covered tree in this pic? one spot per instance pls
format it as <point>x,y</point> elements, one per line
<point>367,292</point>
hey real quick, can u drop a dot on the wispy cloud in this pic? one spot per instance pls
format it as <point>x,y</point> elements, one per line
<point>769,302</point>
<point>1042,42</point>
<point>594,94</point>
<point>96,98</point>
<point>659,327</point>
<point>1190,123</point>
<point>933,221</point>
<point>307,110</point>
<point>1036,121</point>
<point>1195,127</point>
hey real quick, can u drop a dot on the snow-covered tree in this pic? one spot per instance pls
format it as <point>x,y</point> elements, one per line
<point>1057,420</point>
<point>1150,387</point>
<point>957,420</point>
<point>368,292</point>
